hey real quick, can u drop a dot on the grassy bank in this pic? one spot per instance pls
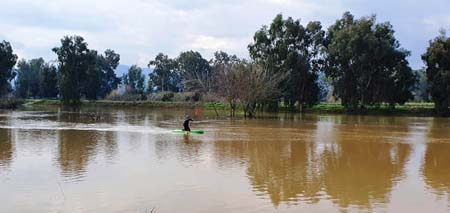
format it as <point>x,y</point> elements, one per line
<point>412,108</point>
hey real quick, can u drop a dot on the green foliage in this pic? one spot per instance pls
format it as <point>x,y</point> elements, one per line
<point>168,96</point>
<point>100,76</point>
<point>165,75</point>
<point>28,77</point>
<point>73,63</point>
<point>195,71</point>
<point>108,79</point>
<point>92,83</point>
<point>83,72</point>
<point>7,61</point>
<point>409,108</point>
<point>135,80</point>
<point>35,78</point>
<point>49,83</point>
<point>437,60</point>
<point>289,47</point>
<point>366,64</point>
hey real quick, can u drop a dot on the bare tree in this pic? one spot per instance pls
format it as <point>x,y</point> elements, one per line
<point>256,84</point>
<point>228,84</point>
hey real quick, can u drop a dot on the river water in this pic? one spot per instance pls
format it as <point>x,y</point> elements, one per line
<point>129,160</point>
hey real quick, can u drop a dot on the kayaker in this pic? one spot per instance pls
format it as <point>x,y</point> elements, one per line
<point>186,124</point>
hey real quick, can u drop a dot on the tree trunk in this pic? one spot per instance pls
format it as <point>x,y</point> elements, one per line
<point>300,106</point>
<point>215,109</point>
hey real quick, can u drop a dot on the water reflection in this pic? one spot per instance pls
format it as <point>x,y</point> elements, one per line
<point>436,169</point>
<point>189,150</point>
<point>285,163</point>
<point>76,148</point>
<point>284,172</point>
<point>363,174</point>
<point>337,160</point>
<point>6,148</point>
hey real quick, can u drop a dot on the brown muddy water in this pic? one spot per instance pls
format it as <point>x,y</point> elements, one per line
<point>131,161</point>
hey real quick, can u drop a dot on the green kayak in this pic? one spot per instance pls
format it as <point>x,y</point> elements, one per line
<point>192,131</point>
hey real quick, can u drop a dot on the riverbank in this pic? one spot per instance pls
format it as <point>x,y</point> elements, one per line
<point>107,103</point>
<point>410,109</point>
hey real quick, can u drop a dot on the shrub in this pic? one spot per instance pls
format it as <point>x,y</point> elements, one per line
<point>167,96</point>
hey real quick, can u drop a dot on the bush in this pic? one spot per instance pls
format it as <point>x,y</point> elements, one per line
<point>167,97</point>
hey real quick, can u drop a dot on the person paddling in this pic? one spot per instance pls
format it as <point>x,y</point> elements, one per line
<point>186,124</point>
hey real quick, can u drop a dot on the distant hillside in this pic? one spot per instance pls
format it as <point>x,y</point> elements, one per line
<point>123,69</point>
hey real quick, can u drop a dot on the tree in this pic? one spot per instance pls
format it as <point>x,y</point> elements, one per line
<point>135,79</point>
<point>256,84</point>
<point>165,75</point>
<point>289,47</point>
<point>195,71</point>
<point>399,84</point>
<point>93,77</point>
<point>73,64</point>
<point>421,91</point>
<point>108,64</point>
<point>366,64</point>
<point>437,60</point>
<point>22,82</point>
<point>226,77</point>
<point>36,78</point>
<point>49,83</point>
<point>29,79</point>
<point>7,61</point>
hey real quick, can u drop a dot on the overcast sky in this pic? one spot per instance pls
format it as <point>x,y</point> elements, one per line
<point>139,29</point>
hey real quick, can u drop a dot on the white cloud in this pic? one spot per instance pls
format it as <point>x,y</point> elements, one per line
<point>210,44</point>
<point>140,29</point>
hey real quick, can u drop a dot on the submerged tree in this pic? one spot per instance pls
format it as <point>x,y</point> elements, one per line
<point>291,48</point>
<point>437,60</point>
<point>256,84</point>
<point>366,64</point>
<point>227,79</point>
<point>7,61</point>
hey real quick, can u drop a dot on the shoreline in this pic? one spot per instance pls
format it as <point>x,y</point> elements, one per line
<point>408,109</point>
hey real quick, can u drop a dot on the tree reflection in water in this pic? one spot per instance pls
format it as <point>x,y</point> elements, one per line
<point>435,168</point>
<point>6,148</point>
<point>75,150</point>
<point>295,166</point>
